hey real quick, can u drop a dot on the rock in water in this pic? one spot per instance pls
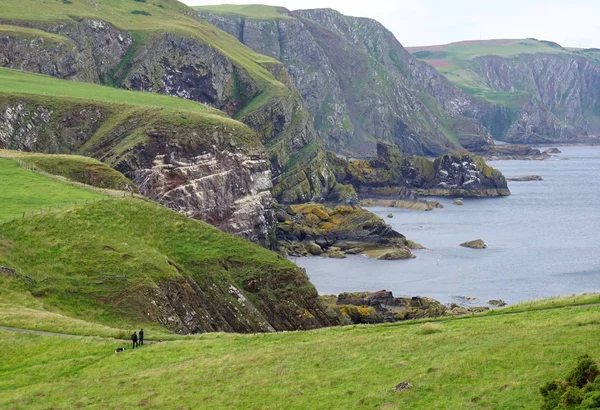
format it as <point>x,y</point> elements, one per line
<point>476,244</point>
<point>390,215</point>
<point>498,303</point>
<point>526,178</point>
<point>552,151</point>
<point>396,254</point>
<point>400,387</point>
<point>458,202</point>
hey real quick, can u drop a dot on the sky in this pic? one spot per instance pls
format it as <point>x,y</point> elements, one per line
<point>571,23</point>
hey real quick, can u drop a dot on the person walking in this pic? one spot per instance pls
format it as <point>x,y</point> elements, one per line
<point>141,338</point>
<point>134,339</point>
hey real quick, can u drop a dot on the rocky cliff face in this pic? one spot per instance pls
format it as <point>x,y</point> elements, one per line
<point>392,175</point>
<point>563,102</point>
<point>259,94</point>
<point>360,85</point>
<point>218,173</point>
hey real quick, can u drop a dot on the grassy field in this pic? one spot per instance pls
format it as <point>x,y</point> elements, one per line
<point>75,168</point>
<point>23,191</point>
<point>251,11</point>
<point>495,362</point>
<point>14,81</point>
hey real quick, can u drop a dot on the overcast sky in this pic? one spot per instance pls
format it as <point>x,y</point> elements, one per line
<point>573,23</point>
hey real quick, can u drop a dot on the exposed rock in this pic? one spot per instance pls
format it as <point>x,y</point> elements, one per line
<point>403,386</point>
<point>360,85</point>
<point>498,303</point>
<point>335,254</point>
<point>476,244</point>
<point>390,215</point>
<point>397,254</point>
<point>344,229</point>
<point>514,152</point>
<point>458,202</point>
<point>552,151</point>
<point>414,245</point>
<point>382,306</point>
<point>526,178</point>
<point>416,205</point>
<point>391,173</point>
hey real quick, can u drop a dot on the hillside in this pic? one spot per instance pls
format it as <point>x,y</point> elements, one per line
<point>174,150</point>
<point>359,84</point>
<point>550,92</point>
<point>491,361</point>
<point>164,48</point>
<point>127,261</point>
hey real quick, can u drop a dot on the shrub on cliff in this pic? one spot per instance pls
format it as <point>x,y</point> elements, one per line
<point>580,390</point>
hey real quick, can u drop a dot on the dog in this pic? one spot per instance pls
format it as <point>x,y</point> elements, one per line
<point>120,349</point>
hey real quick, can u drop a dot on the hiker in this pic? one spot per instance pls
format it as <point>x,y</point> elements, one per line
<point>141,342</point>
<point>134,339</point>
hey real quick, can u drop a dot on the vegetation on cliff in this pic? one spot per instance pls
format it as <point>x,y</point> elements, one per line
<point>126,261</point>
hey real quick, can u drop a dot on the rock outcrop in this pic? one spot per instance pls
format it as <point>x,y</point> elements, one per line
<point>392,175</point>
<point>475,244</point>
<point>201,65</point>
<point>360,85</point>
<point>313,229</point>
<point>218,173</point>
<point>382,306</point>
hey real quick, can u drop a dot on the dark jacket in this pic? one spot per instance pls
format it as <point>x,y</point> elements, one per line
<point>141,335</point>
<point>134,337</point>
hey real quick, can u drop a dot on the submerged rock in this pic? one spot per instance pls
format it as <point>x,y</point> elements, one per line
<point>390,215</point>
<point>476,244</point>
<point>526,178</point>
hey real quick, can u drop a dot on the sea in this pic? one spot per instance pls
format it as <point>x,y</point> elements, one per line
<point>543,240</point>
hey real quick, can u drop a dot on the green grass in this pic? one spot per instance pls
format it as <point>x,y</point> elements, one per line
<point>251,11</point>
<point>74,168</point>
<point>494,362</point>
<point>18,82</point>
<point>100,261</point>
<point>165,16</point>
<point>23,191</point>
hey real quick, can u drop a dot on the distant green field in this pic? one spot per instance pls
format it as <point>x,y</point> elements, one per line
<point>23,191</point>
<point>14,81</point>
<point>251,11</point>
<point>495,362</point>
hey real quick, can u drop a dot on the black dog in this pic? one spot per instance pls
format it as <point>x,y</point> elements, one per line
<point>120,349</point>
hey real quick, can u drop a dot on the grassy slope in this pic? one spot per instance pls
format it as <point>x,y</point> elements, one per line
<point>25,83</point>
<point>25,191</point>
<point>165,16</point>
<point>477,362</point>
<point>251,11</point>
<point>75,168</point>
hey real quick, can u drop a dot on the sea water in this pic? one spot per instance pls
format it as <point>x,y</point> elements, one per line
<point>543,240</point>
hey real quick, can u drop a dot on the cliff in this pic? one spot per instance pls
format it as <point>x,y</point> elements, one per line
<point>360,85</point>
<point>190,158</point>
<point>166,49</point>
<point>131,261</point>
<point>550,92</point>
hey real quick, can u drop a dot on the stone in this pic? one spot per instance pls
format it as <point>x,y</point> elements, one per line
<point>526,178</point>
<point>458,202</point>
<point>335,254</point>
<point>414,245</point>
<point>497,303</point>
<point>476,244</point>
<point>313,248</point>
<point>403,386</point>
<point>397,254</point>
<point>552,151</point>
<point>390,215</point>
